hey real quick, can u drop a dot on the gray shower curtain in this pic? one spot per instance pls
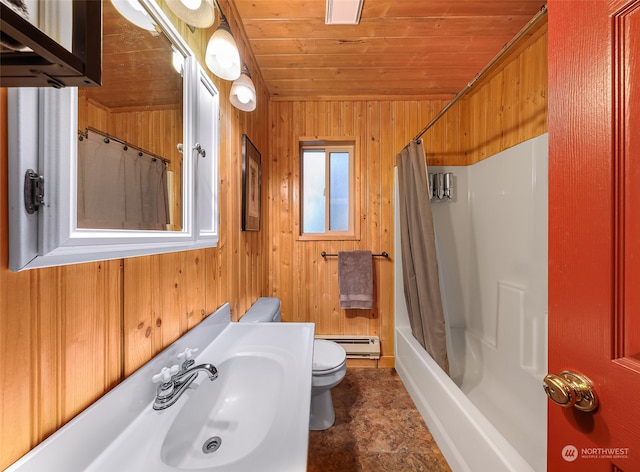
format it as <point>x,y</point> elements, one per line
<point>420,266</point>
<point>120,188</point>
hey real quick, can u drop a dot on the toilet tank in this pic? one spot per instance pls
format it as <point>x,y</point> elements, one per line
<point>264,310</point>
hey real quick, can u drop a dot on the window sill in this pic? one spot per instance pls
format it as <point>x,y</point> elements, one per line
<point>328,237</point>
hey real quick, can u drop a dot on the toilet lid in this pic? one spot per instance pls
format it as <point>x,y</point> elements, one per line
<point>327,355</point>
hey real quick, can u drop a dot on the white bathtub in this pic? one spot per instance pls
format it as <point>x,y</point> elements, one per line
<point>492,253</point>
<point>467,439</point>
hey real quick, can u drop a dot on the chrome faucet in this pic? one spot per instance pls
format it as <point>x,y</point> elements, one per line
<point>174,381</point>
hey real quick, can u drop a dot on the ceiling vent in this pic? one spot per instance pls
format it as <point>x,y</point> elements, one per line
<point>343,12</point>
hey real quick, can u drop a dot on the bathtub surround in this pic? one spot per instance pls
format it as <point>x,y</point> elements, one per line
<point>492,248</point>
<point>463,434</point>
<point>419,260</point>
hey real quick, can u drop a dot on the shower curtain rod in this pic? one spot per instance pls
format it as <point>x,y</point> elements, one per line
<point>505,49</point>
<point>108,137</point>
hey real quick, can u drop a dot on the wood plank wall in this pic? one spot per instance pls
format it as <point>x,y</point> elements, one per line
<point>69,334</point>
<point>505,108</point>
<point>306,283</point>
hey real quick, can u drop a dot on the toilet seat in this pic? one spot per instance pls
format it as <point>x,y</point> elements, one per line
<point>328,357</point>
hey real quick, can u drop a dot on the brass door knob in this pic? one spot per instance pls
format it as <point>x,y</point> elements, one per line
<point>571,389</point>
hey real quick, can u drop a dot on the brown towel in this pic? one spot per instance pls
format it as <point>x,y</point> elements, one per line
<point>355,279</point>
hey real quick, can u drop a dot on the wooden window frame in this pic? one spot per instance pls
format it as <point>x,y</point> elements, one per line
<point>340,144</point>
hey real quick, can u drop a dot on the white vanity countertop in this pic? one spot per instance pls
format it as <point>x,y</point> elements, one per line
<point>122,432</point>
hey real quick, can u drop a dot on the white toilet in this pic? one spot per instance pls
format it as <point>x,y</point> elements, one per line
<point>329,364</point>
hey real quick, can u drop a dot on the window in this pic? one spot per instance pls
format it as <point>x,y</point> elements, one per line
<point>328,208</point>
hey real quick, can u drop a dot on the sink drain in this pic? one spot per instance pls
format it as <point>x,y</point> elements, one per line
<point>212,445</point>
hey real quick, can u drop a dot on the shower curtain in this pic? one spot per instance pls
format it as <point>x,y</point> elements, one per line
<point>119,188</point>
<point>420,266</point>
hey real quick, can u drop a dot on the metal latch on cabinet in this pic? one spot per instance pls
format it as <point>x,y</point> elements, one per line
<point>198,147</point>
<point>33,191</point>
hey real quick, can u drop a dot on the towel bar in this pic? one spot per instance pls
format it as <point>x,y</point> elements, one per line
<point>382,254</point>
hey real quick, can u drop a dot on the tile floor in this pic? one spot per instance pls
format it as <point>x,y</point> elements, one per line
<point>377,428</point>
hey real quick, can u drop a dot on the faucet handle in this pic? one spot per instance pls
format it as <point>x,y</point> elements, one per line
<point>187,353</point>
<point>165,374</point>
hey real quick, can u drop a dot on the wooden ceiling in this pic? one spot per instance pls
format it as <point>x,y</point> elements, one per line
<point>136,67</point>
<point>400,48</point>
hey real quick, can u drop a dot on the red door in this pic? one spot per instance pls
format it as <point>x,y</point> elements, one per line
<point>594,229</point>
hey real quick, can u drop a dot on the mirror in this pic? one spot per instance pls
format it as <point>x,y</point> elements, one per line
<point>44,152</point>
<point>129,129</point>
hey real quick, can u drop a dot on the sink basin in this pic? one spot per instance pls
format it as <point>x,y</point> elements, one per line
<point>228,419</point>
<point>254,416</point>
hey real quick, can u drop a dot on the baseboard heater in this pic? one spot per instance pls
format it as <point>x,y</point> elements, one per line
<point>356,347</point>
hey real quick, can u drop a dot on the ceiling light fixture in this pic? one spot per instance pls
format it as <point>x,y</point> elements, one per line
<point>222,56</point>
<point>135,13</point>
<point>198,13</point>
<point>343,12</point>
<point>243,92</point>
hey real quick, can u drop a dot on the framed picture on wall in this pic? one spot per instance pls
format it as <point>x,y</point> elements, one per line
<point>251,181</point>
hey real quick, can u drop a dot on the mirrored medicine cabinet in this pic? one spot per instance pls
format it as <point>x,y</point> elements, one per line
<point>122,170</point>
<point>30,57</point>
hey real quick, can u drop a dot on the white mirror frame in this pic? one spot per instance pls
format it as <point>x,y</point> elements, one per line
<point>43,137</point>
